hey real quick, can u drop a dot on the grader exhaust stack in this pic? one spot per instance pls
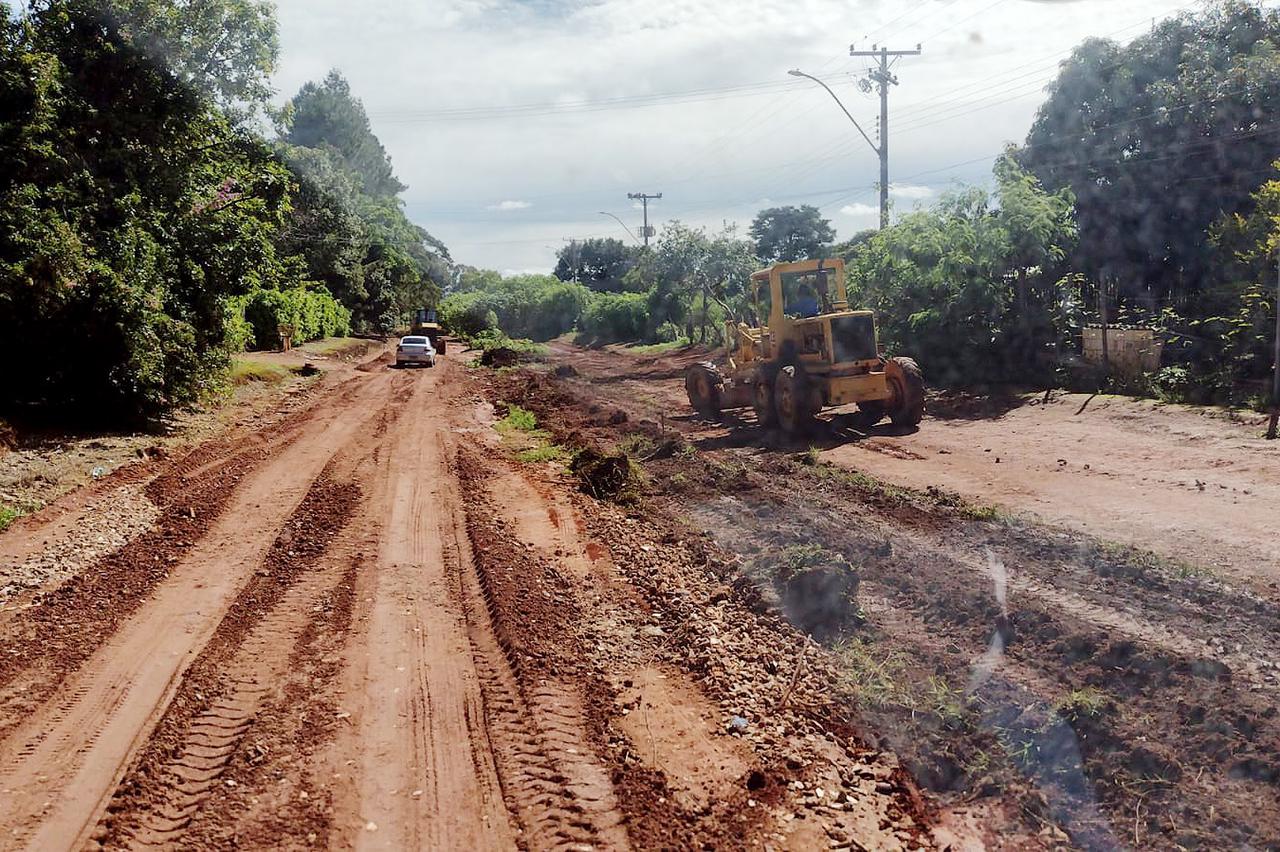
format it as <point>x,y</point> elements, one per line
<point>814,352</point>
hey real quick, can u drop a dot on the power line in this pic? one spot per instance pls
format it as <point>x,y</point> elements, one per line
<point>583,106</point>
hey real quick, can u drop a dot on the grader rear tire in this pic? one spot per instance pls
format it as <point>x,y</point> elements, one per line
<point>703,383</point>
<point>907,381</point>
<point>762,401</point>
<point>793,398</point>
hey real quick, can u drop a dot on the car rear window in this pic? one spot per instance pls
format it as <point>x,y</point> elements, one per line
<point>414,341</point>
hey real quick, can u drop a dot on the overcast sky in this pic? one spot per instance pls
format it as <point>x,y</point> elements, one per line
<point>514,123</point>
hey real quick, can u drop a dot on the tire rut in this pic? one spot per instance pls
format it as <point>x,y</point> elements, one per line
<point>63,762</point>
<point>559,793</point>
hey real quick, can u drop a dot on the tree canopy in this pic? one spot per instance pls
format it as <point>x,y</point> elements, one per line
<point>140,213</point>
<point>791,233</point>
<point>1160,138</point>
<point>601,264</point>
<point>326,115</point>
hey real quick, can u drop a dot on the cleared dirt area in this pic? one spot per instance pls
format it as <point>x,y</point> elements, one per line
<point>1193,484</point>
<point>356,620</point>
<point>1047,681</point>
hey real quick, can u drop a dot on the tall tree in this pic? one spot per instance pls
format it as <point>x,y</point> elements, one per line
<point>1160,138</point>
<point>600,264</point>
<point>692,267</point>
<point>129,211</point>
<point>326,115</point>
<point>945,281</point>
<point>791,233</point>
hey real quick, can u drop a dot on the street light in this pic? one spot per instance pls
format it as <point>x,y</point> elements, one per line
<point>620,222</point>
<point>879,150</point>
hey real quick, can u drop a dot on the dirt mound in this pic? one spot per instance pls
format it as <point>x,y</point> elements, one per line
<point>607,476</point>
<point>565,371</point>
<point>502,356</point>
<point>816,587</point>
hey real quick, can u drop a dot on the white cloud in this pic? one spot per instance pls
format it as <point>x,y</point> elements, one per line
<point>860,210</point>
<point>510,205</point>
<point>908,191</point>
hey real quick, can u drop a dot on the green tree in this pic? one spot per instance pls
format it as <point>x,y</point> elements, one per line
<point>789,233</point>
<point>326,115</point>
<point>226,49</point>
<point>691,272</point>
<point>1160,138</point>
<point>945,281</point>
<point>130,212</point>
<point>600,264</point>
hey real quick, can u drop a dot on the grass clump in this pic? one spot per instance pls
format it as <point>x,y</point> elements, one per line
<point>518,420</point>
<point>608,476</point>
<point>637,444</point>
<point>244,371</point>
<point>875,677</point>
<point>543,453</point>
<point>657,348</point>
<point>1086,702</point>
<point>8,514</point>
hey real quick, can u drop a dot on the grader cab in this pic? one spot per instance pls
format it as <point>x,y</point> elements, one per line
<point>806,350</point>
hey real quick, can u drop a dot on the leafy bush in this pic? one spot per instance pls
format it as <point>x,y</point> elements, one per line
<point>668,332</point>
<point>467,315</point>
<point>1172,384</point>
<point>538,307</point>
<point>313,313</point>
<point>491,340</point>
<point>615,317</point>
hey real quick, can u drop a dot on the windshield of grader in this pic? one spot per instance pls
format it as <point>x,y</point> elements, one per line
<point>806,294</point>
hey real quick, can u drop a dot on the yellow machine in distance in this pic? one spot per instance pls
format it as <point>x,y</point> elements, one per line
<point>814,352</point>
<point>426,324</point>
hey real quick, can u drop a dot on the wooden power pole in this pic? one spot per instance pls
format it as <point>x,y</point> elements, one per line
<point>885,79</point>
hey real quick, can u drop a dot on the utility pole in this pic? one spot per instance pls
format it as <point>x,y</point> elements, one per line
<point>644,199</point>
<point>882,76</point>
<point>1275,367</point>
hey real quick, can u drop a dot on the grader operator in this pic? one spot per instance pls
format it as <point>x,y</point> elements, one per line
<point>813,353</point>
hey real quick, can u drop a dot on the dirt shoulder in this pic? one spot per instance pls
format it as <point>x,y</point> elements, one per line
<point>1040,682</point>
<point>1198,485</point>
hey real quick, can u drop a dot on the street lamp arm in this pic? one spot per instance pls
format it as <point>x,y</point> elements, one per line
<point>630,233</point>
<point>795,72</point>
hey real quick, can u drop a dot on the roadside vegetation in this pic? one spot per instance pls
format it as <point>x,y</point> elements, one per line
<point>143,215</point>
<point>1146,185</point>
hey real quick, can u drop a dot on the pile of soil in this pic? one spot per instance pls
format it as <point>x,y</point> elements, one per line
<point>502,356</point>
<point>606,476</point>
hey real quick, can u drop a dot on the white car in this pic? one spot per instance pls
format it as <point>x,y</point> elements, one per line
<point>415,350</point>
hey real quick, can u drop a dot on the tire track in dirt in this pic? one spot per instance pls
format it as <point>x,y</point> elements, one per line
<point>426,778</point>
<point>61,763</point>
<point>556,786</point>
<point>242,667</point>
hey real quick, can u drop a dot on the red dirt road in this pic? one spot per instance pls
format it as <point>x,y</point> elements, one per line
<point>1184,483</point>
<point>1188,483</point>
<point>358,623</point>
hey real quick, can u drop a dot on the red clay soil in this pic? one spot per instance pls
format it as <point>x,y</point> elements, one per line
<point>365,624</point>
<point>1027,674</point>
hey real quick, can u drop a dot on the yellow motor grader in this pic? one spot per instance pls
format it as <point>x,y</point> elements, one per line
<point>814,352</point>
